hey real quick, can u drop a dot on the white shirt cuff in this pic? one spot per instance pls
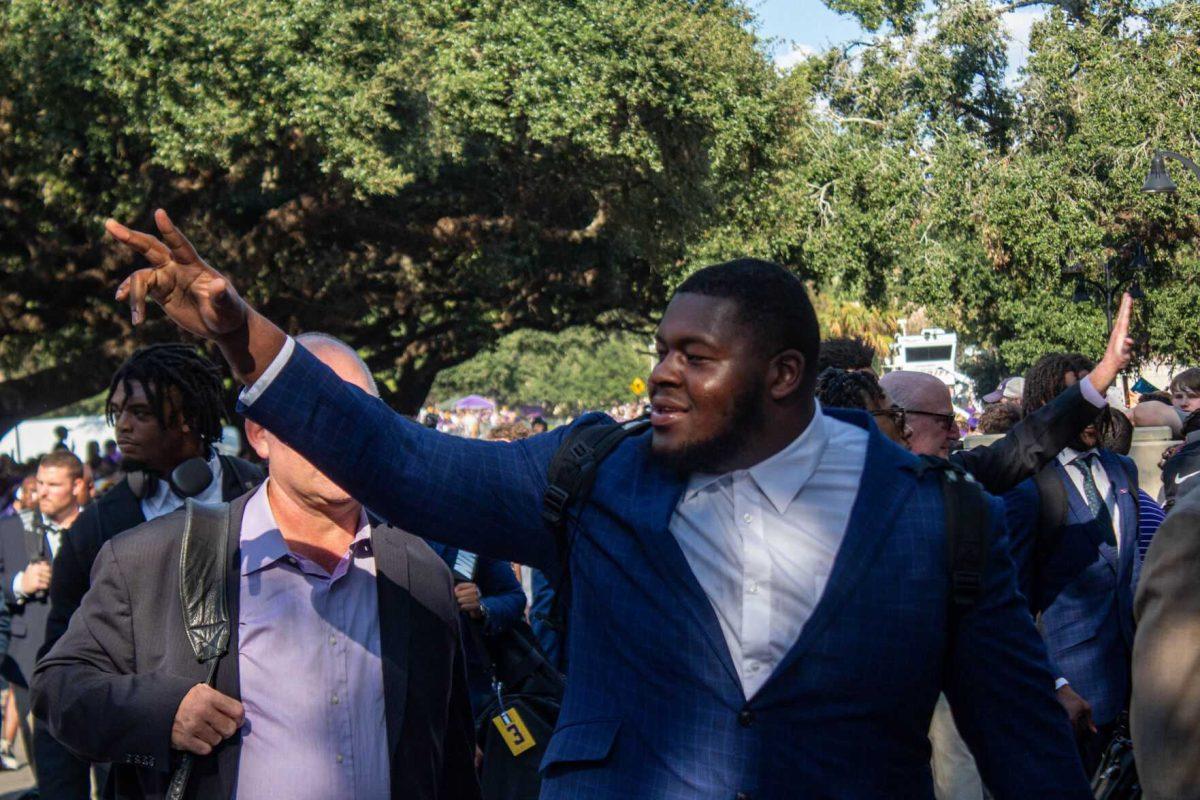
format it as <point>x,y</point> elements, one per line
<point>1061,682</point>
<point>1089,393</point>
<point>254,391</point>
<point>16,587</point>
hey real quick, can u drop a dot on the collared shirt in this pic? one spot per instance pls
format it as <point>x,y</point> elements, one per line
<point>54,533</point>
<point>164,501</point>
<point>762,541</point>
<point>1067,458</point>
<point>309,666</point>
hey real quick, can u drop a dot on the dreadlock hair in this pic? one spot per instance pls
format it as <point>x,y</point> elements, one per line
<point>1116,431</point>
<point>839,388</point>
<point>846,352</point>
<point>1044,380</point>
<point>162,367</point>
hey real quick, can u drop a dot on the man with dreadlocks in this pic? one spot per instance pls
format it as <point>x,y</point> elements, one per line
<point>166,403</point>
<point>1074,529</point>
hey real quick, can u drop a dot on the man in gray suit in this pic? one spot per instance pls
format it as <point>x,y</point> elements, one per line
<point>1165,715</point>
<point>344,676</point>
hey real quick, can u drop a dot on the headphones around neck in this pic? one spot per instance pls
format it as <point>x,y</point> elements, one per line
<point>188,479</point>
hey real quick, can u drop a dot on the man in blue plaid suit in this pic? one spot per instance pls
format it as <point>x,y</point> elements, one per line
<point>746,621</point>
<point>1078,569</point>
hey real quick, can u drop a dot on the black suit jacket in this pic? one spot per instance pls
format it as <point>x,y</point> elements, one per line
<point>115,512</point>
<point>28,617</point>
<point>1030,444</point>
<point>110,687</point>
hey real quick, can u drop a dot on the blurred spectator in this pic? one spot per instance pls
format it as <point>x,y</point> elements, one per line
<point>1181,469</point>
<point>1000,418</point>
<point>61,433</point>
<point>1009,391</point>
<point>431,420</point>
<point>1185,391</point>
<point>1152,413</point>
<point>111,454</point>
<point>539,425</point>
<point>849,353</point>
<point>1158,396</point>
<point>25,497</point>
<point>87,487</point>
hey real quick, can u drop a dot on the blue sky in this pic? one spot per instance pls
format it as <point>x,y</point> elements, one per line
<point>804,26</point>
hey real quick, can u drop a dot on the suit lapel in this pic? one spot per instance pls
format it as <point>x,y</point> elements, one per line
<point>884,486</point>
<point>395,604</point>
<point>656,492</point>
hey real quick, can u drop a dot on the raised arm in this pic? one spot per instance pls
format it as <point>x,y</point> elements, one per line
<point>1042,435</point>
<point>481,496</point>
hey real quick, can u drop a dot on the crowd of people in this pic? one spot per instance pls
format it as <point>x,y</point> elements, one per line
<point>789,579</point>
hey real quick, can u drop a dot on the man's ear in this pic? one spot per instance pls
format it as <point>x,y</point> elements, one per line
<point>256,435</point>
<point>786,374</point>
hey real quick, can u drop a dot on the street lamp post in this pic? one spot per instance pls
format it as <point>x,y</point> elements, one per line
<point>1159,180</point>
<point>1107,292</point>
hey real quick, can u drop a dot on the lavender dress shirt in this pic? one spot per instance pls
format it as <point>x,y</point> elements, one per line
<point>310,671</point>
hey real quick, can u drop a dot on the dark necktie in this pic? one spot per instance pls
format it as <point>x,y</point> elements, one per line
<point>1091,493</point>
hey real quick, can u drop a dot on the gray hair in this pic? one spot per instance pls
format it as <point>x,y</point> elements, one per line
<point>315,341</point>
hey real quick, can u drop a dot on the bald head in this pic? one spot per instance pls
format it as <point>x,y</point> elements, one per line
<point>1152,413</point>
<point>930,414</point>
<point>341,358</point>
<point>917,391</point>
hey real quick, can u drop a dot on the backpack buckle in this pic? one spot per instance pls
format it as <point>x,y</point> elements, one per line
<point>554,504</point>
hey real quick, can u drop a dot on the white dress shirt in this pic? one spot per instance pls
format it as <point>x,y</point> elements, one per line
<point>762,541</point>
<point>164,501</point>
<point>1103,484</point>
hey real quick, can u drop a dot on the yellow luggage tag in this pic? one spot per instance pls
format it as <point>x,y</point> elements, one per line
<point>513,731</point>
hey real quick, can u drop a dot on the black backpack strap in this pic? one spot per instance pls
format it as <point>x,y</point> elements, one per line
<point>569,481</point>
<point>203,563</point>
<point>967,529</point>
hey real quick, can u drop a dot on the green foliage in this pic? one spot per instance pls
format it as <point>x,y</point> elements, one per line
<point>419,178</point>
<point>579,368</point>
<point>915,175</point>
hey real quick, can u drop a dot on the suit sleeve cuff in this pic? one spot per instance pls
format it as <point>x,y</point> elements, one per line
<point>1061,682</point>
<point>1085,386</point>
<point>254,391</point>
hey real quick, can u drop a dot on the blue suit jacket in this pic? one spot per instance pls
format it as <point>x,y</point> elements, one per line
<point>654,708</point>
<point>1081,585</point>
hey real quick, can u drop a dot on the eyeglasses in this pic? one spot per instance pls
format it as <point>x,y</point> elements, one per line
<point>897,414</point>
<point>947,420</point>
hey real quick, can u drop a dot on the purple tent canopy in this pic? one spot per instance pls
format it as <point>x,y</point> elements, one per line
<point>474,402</point>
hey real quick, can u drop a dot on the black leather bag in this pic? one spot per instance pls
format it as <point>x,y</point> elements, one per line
<point>203,558</point>
<point>526,682</point>
<point>1116,778</point>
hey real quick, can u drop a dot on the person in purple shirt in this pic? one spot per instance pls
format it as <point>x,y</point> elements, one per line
<point>321,696</point>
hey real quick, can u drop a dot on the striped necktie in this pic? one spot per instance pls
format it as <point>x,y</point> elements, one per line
<point>1091,493</point>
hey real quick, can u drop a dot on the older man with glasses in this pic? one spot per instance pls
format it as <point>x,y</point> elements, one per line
<point>1031,443</point>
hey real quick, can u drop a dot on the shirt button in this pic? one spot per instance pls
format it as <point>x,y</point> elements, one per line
<point>745,719</point>
<point>747,518</point>
<point>340,759</point>
<point>335,701</point>
<point>752,587</point>
<point>752,666</point>
<point>333,640</point>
